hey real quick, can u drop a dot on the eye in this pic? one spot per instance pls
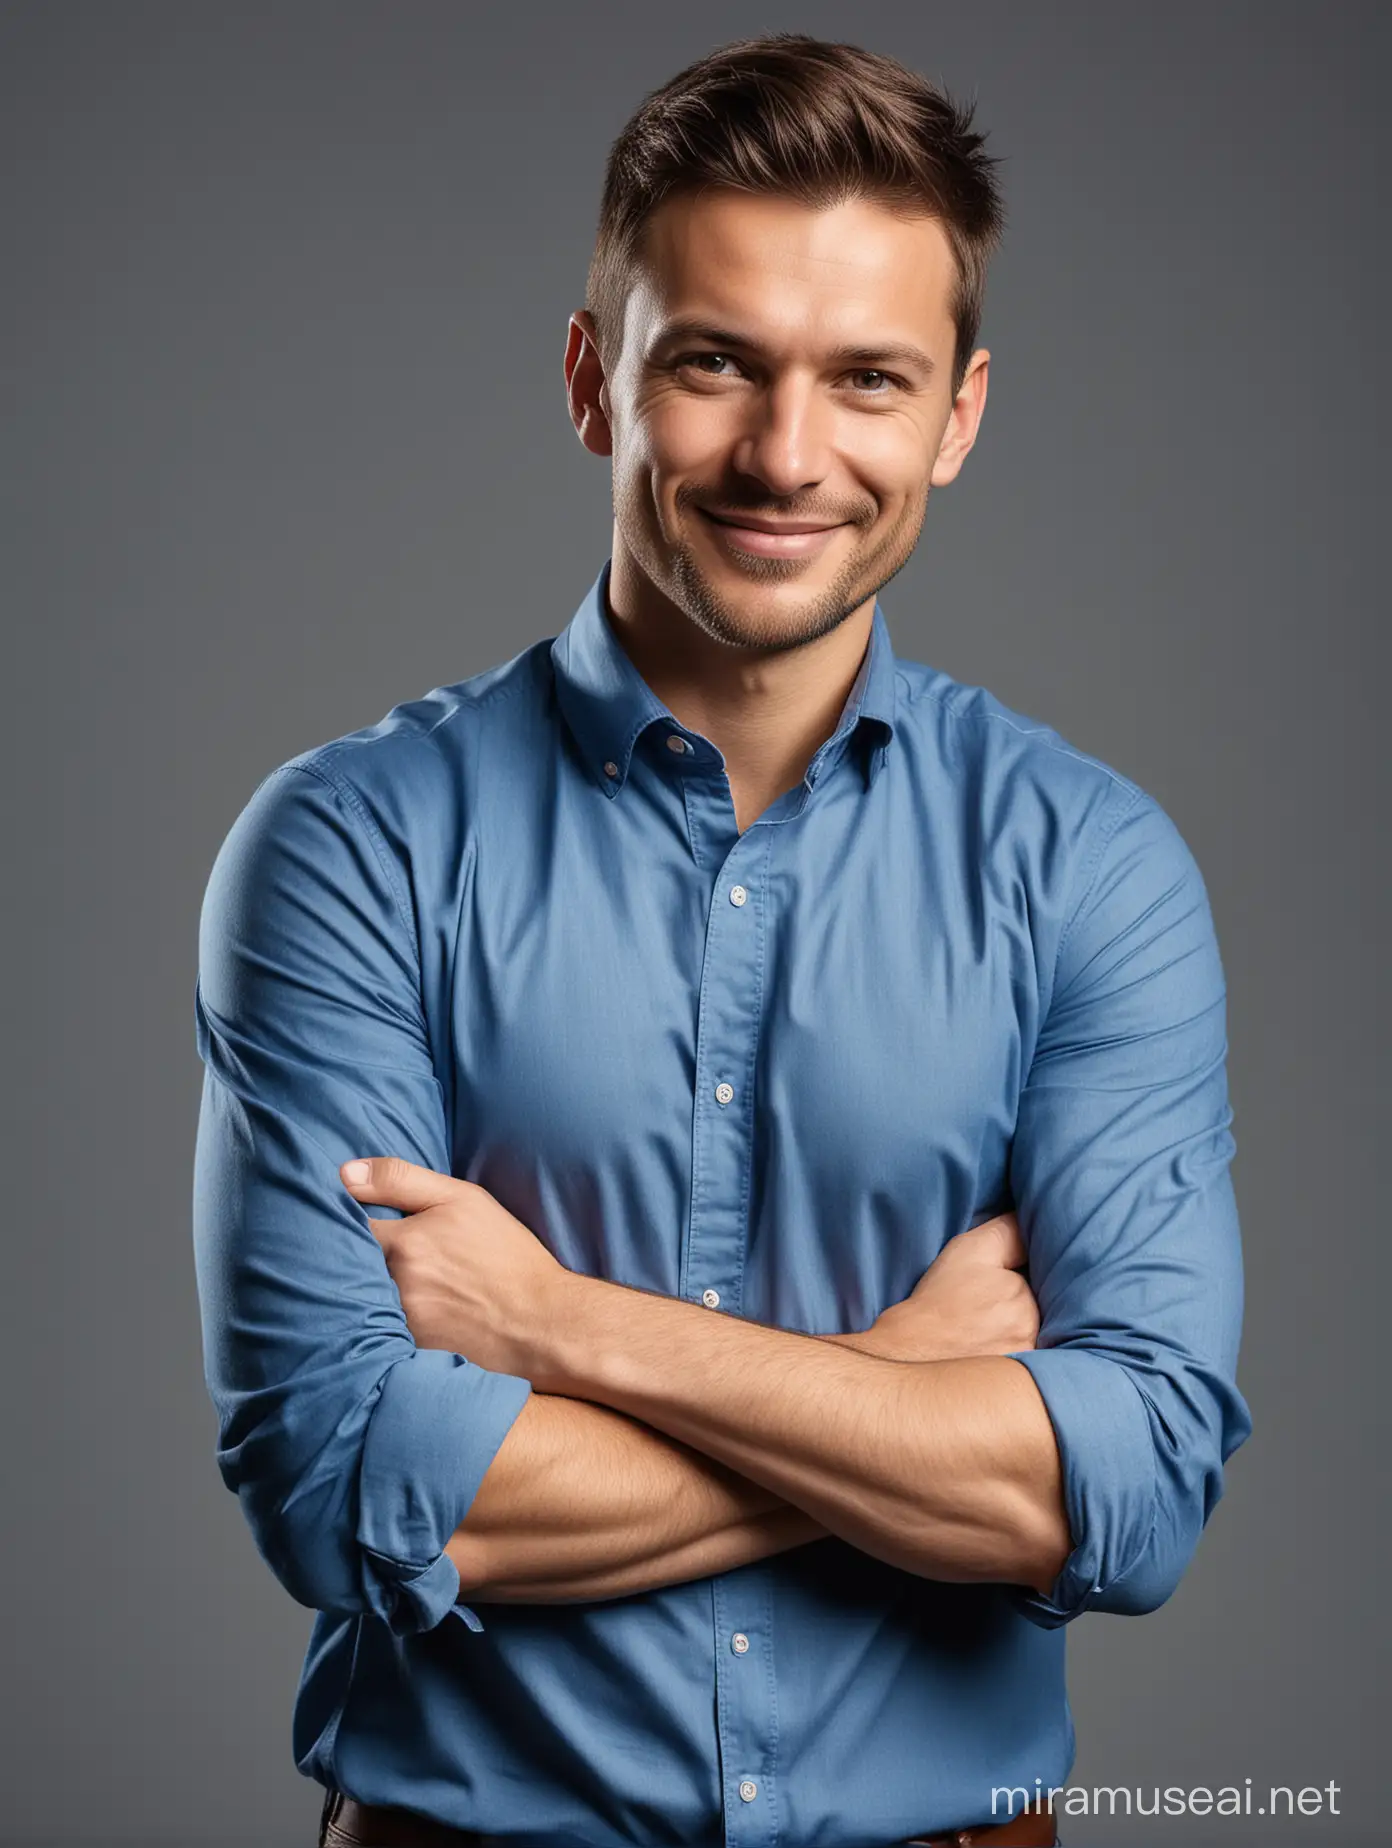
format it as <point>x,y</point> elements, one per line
<point>712,365</point>
<point>872,381</point>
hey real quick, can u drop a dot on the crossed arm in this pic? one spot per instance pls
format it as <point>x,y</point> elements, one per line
<point>665,1442</point>
<point>581,1501</point>
<point>584,1502</point>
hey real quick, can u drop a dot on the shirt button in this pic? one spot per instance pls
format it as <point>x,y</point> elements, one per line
<point>724,1093</point>
<point>675,742</point>
<point>738,895</point>
<point>739,1642</point>
<point>749,1790</point>
<point>611,768</point>
<point>711,1298</point>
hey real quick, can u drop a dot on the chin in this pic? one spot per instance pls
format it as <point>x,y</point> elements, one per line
<point>761,609</point>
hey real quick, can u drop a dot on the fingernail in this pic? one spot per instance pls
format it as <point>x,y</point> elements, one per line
<point>355,1170</point>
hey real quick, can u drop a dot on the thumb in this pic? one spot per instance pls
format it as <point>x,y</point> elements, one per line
<point>995,1241</point>
<point>387,1180</point>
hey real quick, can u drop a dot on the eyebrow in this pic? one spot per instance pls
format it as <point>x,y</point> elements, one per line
<point>896,352</point>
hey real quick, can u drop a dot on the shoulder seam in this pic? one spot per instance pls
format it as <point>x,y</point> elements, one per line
<point>1051,738</point>
<point>353,801</point>
<point>1090,866</point>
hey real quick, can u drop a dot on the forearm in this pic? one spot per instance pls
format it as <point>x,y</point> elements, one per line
<point>582,1501</point>
<point>947,1468</point>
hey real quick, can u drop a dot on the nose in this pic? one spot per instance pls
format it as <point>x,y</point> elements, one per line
<point>787,443</point>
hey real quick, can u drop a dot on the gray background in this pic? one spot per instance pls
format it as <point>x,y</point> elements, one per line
<point>285,291</point>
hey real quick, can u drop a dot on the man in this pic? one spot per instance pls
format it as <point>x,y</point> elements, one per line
<point>638,1075</point>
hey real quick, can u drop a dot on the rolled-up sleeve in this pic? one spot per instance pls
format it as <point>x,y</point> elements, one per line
<point>1122,1186</point>
<point>354,1455</point>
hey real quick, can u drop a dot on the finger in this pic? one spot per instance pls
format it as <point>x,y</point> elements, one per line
<point>382,1230</point>
<point>997,1241</point>
<point>387,1180</point>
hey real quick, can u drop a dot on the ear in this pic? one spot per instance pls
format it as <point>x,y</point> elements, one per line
<point>585,392</point>
<point>963,420</point>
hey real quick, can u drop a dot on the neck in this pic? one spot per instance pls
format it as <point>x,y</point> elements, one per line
<point>765,711</point>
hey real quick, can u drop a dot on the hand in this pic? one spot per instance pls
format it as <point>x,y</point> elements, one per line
<point>971,1300</point>
<point>473,1279</point>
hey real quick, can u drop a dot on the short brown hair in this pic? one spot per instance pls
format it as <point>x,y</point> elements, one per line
<point>816,121</point>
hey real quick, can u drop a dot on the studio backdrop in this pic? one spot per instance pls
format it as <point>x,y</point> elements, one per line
<point>285,444</point>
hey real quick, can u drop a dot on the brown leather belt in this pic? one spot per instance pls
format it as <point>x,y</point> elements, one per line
<point>347,1823</point>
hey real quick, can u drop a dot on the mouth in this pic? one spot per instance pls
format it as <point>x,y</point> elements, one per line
<point>764,538</point>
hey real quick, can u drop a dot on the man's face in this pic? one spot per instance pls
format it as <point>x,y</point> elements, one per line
<point>779,408</point>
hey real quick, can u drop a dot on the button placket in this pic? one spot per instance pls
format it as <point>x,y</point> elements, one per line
<point>726,1041</point>
<point>746,1706</point>
<point>730,1011</point>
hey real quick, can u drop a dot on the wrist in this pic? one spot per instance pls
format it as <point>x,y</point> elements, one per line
<point>570,1334</point>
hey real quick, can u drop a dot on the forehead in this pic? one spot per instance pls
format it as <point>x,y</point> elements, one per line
<point>782,269</point>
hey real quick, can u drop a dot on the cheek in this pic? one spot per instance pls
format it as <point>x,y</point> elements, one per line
<point>682,437</point>
<point>890,456</point>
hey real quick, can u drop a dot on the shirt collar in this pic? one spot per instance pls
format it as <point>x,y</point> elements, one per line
<point>608,705</point>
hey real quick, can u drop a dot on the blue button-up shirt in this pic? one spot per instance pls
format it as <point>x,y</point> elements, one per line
<point>513,932</point>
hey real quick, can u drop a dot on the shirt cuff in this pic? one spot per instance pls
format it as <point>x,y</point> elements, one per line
<point>437,1426</point>
<point>1109,1476</point>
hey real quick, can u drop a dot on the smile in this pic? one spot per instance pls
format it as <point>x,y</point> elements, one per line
<point>769,538</point>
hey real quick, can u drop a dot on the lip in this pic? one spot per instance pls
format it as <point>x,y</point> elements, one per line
<point>770,538</point>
